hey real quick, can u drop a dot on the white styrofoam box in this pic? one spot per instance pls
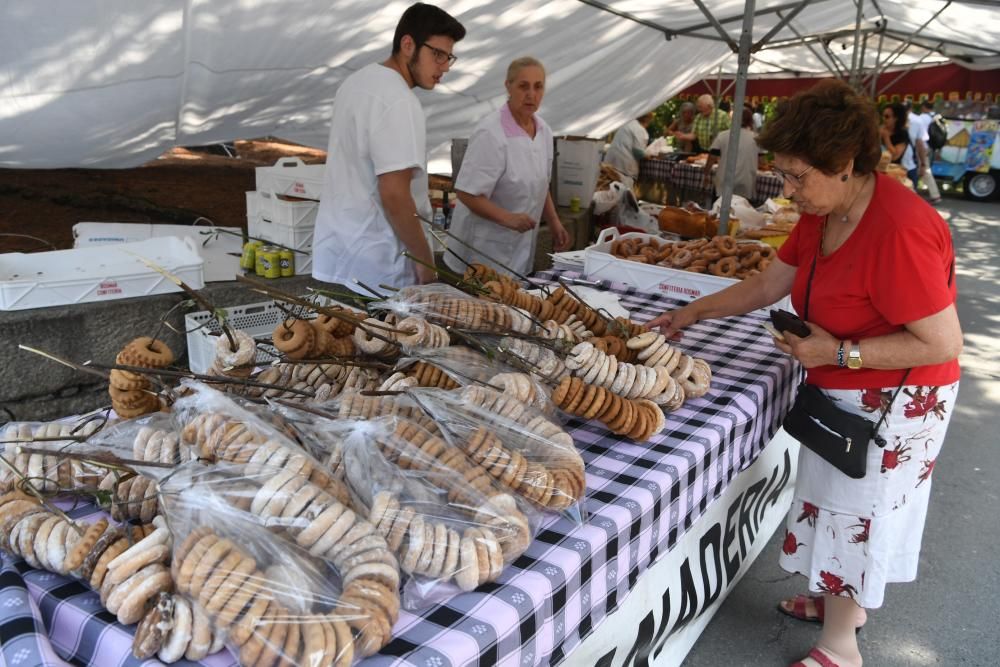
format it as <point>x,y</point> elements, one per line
<point>577,165</point>
<point>600,264</point>
<point>214,244</point>
<point>296,238</point>
<point>256,319</point>
<point>291,176</point>
<point>97,273</point>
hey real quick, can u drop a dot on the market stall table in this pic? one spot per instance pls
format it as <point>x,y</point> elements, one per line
<point>642,500</point>
<point>688,180</point>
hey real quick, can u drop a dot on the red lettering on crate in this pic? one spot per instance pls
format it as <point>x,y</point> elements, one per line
<point>107,287</point>
<point>686,291</point>
<point>298,187</point>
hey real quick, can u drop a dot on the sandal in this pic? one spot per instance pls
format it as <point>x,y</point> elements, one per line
<point>819,656</point>
<point>798,610</point>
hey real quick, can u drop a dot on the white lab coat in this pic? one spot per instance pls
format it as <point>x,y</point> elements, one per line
<point>378,126</point>
<point>629,136</point>
<point>512,170</point>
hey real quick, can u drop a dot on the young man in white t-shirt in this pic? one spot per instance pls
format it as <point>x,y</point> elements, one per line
<point>376,172</point>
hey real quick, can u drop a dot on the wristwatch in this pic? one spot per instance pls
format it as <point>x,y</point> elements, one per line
<point>854,356</point>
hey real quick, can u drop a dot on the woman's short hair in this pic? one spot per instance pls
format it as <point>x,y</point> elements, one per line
<point>687,106</point>
<point>519,64</point>
<point>746,119</point>
<point>826,126</point>
<point>422,21</point>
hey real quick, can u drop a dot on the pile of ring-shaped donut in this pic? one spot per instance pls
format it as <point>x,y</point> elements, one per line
<point>132,394</point>
<point>410,333</point>
<point>47,472</point>
<point>428,375</point>
<point>451,308</point>
<point>312,339</point>
<point>313,382</point>
<point>541,361</point>
<point>694,375</point>
<point>720,256</point>
<point>637,419</point>
<point>433,548</point>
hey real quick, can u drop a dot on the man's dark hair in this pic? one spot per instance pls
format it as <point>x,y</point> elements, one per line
<point>927,104</point>
<point>422,21</point>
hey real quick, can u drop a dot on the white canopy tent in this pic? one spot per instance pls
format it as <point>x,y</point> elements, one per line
<point>114,83</point>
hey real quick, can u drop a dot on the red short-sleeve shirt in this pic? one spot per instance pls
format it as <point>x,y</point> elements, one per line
<point>896,267</point>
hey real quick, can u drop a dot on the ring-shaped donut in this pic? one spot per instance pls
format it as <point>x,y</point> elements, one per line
<point>726,245</point>
<point>682,258</point>
<point>245,352</point>
<point>294,337</point>
<point>749,261</point>
<point>711,253</point>
<point>151,353</point>
<point>726,267</point>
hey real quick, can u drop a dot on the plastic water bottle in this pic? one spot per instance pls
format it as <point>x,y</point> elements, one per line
<point>439,221</point>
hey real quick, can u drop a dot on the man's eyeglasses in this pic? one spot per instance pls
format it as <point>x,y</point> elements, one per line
<point>795,180</point>
<point>441,57</point>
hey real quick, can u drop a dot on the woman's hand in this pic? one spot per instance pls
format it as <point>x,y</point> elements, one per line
<point>519,222</point>
<point>671,322</point>
<point>818,349</point>
<point>560,237</point>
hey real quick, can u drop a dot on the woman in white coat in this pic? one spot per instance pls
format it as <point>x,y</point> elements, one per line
<point>503,183</point>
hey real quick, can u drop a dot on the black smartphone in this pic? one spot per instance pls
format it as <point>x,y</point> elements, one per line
<point>786,321</point>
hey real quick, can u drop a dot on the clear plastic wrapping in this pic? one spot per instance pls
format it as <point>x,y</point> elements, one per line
<point>519,447</point>
<point>26,459</point>
<point>218,429</point>
<point>275,600</point>
<point>447,523</point>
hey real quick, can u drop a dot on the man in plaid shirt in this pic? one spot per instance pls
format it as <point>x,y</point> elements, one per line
<point>708,123</point>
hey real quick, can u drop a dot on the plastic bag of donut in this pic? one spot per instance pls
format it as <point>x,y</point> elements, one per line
<point>214,427</point>
<point>448,307</point>
<point>449,525</point>
<point>530,455</point>
<point>720,256</point>
<point>48,472</point>
<point>251,553</point>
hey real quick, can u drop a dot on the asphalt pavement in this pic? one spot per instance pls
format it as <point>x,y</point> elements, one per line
<point>949,616</point>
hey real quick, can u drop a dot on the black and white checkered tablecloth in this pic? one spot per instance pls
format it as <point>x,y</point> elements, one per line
<point>655,170</point>
<point>641,499</point>
<point>692,177</point>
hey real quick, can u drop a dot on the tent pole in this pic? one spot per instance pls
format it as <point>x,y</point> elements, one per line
<point>906,71</point>
<point>779,25</point>
<point>811,48</point>
<point>858,85</point>
<point>878,56</point>
<point>732,152</point>
<point>909,40</point>
<point>857,41</point>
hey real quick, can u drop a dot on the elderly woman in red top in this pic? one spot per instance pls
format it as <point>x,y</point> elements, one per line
<point>881,301</point>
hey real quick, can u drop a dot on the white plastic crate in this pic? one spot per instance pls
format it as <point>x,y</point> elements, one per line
<point>98,273</point>
<point>214,244</point>
<point>291,176</point>
<point>296,238</point>
<point>600,264</point>
<point>273,208</point>
<point>257,319</point>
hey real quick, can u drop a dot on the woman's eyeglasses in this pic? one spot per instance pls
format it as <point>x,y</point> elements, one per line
<point>795,180</point>
<point>441,57</point>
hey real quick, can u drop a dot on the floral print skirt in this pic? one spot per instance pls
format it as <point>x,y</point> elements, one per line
<point>852,537</point>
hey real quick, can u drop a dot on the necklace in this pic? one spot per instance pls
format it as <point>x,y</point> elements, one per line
<point>854,201</point>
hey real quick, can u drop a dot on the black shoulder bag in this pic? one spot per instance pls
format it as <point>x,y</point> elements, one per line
<point>840,437</point>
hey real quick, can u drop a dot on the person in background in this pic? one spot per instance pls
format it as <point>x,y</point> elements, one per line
<point>376,177</point>
<point>683,126</point>
<point>870,266</point>
<point>926,117</point>
<point>896,139</point>
<point>745,178</point>
<point>629,146</point>
<point>707,124</point>
<point>503,185</point>
<point>758,118</point>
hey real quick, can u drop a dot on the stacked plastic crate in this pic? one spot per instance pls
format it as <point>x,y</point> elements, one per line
<point>282,210</point>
